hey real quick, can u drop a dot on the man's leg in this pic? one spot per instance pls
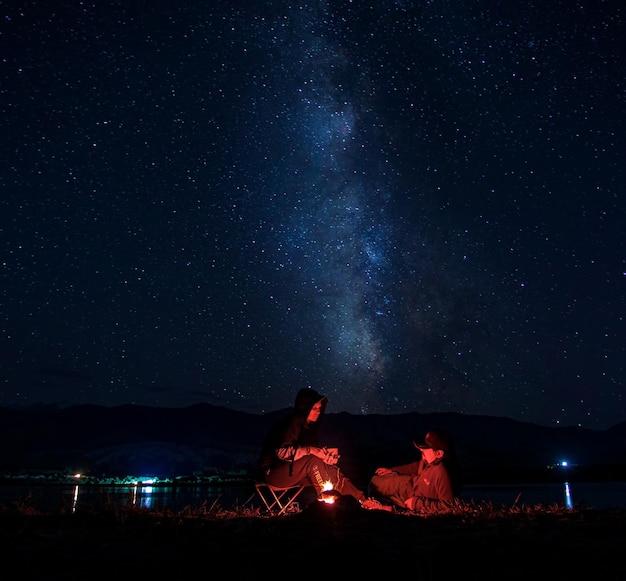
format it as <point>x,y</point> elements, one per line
<point>391,488</point>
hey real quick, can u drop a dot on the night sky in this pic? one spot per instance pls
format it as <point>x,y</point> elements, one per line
<point>408,206</point>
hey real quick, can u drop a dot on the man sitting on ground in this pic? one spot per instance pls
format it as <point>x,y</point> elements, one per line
<point>423,486</point>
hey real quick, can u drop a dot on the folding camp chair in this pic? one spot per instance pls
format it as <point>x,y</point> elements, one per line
<point>279,500</point>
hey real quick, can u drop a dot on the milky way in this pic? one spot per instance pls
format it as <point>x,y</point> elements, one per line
<point>409,206</point>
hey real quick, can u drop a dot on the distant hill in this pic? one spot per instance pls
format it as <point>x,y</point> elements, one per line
<point>206,439</point>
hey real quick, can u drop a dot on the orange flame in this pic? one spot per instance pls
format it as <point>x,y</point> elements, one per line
<point>328,498</point>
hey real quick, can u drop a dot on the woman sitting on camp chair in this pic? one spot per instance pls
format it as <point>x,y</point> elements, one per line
<point>291,454</point>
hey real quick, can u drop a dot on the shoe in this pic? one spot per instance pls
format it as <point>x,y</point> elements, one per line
<point>373,504</point>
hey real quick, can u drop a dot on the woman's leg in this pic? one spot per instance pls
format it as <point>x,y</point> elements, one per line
<point>311,471</point>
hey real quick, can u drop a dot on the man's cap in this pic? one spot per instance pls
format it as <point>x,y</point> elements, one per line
<point>434,439</point>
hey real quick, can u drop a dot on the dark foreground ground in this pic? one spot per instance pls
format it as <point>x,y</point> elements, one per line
<point>321,542</point>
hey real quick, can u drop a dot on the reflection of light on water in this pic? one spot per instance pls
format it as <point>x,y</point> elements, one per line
<point>75,499</point>
<point>143,496</point>
<point>569,503</point>
<point>146,497</point>
<point>142,492</point>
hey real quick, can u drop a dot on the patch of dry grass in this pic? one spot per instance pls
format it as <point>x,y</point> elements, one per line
<point>477,541</point>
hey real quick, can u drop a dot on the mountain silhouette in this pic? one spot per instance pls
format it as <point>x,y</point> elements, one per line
<point>204,439</point>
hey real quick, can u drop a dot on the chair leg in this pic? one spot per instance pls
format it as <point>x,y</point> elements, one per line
<point>279,500</point>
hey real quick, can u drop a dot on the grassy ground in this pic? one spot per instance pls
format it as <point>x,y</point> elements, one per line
<point>322,541</point>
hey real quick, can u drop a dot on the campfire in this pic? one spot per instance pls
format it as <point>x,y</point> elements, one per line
<point>328,495</point>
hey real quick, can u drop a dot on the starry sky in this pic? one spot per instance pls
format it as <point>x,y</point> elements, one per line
<point>410,206</point>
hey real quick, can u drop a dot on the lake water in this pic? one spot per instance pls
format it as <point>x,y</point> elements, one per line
<point>600,495</point>
<point>55,497</point>
<point>52,497</point>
